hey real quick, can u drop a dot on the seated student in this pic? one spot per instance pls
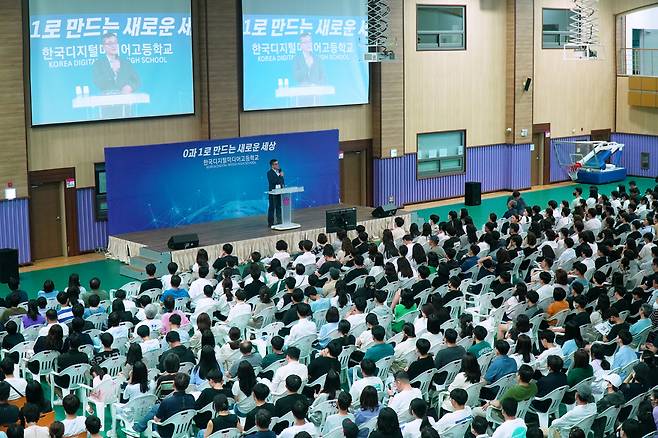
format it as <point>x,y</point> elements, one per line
<point>14,288</point>
<point>175,347</point>
<point>501,365</point>
<point>512,426</point>
<point>94,307</point>
<point>343,402</point>
<point>34,394</point>
<point>379,349</point>
<point>424,361</point>
<point>175,326</point>
<point>451,352</point>
<point>524,389</point>
<point>12,302</point>
<point>48,290</point>
<point>555,378</point>
<point>215,387</point>
<point>94,290</point>
<point>249,354</point>
<point>178,401</point>
<point>93,426</point>
<point>460,412</point>
<point>12,338</point>
<point>16,384</point>
<point>326,360</point>
<point>286,403</point>
<point>9,414</point>
<point>172,269</point>
<point>107,351</point>
<point>77,327</point>
<point>260,393</point>
<point>223,418</point>
<point>480,346</point>
<point>73,424</point>
<point>403,395</point>
<point>263,422</point>
<point>618,324</point>
<point>71,357</point>
<point>277,354</point>
<point>470,259</point>
<point>299,412</point>
<point>30,413</point>
<point>151,282</point>
<point>175,291</point>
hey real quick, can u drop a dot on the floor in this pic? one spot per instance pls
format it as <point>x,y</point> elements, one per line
<point>95,265</point>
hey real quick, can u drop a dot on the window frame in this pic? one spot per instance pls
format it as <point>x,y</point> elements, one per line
<point>439,49</point>
<point>440,174</point>
<point>559,47</point>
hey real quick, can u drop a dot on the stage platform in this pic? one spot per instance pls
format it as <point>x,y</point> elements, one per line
<point>246,234</point>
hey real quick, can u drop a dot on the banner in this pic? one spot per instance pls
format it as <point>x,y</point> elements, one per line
<point>110,60</point>
<point>169,185</point>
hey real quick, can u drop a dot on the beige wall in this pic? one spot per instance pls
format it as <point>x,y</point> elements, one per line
<point>450,90</point>
<point>575,97</point>
<point>631,119</point>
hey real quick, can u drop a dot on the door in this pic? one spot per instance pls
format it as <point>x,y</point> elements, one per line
<point>537,159</point>
<point>46,220</point>
<point>352,178</point>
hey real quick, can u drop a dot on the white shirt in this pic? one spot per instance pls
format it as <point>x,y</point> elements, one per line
<point>405,347</point>
<point>237,310</point>
<point>155,325</point>
<point>303,328</point>
<point>589,263</point>
<point>567,254</point>
<point>592,224</point>
<point>434,339</point>
<point>150,345</point>
<point>506,429</point>
<point>17,387</point>
<point>562,223</point>
<point>576,202</point>
<point>357,387</point>
<point>574,416</point>
<point>278,385</point>
<point>283,256</point>
<point>166,282</point>
<point>398,233</point>
<point>307,258</point>
<point>294,430</point>
<point>542,367</point>
<point>412,429</point>
<point>645,252</point>
<point>545,291</point>
<point>196,288</point>
<point>401,401</point>
<point>356,319</point>
<point>74,426</point>
<point>44,330</point>
<point>452,418</point>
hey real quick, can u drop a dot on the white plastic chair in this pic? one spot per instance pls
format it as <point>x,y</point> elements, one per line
<point>484,360</point>
<point>181,421</point>
<point>584,424</point>
<point>322,410</point>
<point>424,379</point>
<point>305,345</point>
<point>32,332</point>
<point>46,361</point>
<point>113,365</point>
<point>456,431</point>
<point>451,370</point>
<point>226,433</point>
<point>103,395</point>
<point>22,349</point>
<point>383,367</point>
<point>99,320</point>
<point>78,375</point>
<point>555,398</point>
<point>610,416</point>
<point>127,414</point>
<point>88,350</point>
<point>502,385</point>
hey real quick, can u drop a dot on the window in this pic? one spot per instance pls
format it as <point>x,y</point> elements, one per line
<point>555,28</point>
<point>440,153</point>
<point>441,27</point>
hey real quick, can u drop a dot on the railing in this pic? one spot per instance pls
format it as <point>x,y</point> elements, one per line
<point>440,40</point>
<point>637,62</point>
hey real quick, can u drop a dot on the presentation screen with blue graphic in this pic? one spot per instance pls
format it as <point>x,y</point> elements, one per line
<point>214,180</point>
<point>304,53</point>
<point>92,60</point>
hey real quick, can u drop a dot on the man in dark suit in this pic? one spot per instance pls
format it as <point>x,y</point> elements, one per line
<point>274,179</point>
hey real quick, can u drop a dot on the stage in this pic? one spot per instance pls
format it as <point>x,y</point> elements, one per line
<point>246,234</point>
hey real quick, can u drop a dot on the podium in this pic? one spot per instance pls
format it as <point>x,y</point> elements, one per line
<point>286,207</point>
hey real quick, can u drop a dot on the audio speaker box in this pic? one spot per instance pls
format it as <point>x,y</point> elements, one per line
<point>385,211</point>
<point>183,241</point>
<point>8,264</point>
<point>473,193</point>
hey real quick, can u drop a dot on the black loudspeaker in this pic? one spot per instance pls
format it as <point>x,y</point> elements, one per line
<point>385,211</point>
<point>473,193</point>
<point>8,264</point>
<point>183,241</point>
